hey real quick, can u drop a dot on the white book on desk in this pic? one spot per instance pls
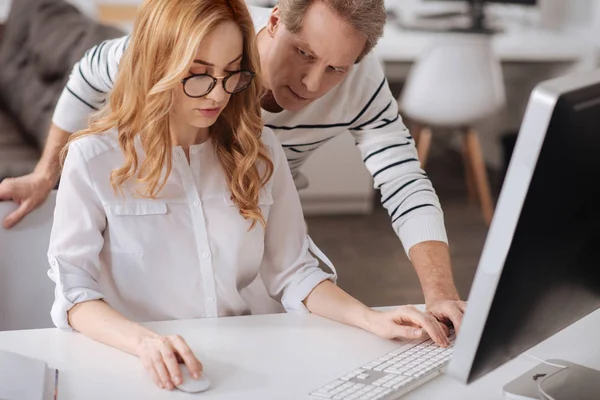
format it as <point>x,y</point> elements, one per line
<point>25,378</point>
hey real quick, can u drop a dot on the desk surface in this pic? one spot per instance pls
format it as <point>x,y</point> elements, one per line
<point>279,356</point>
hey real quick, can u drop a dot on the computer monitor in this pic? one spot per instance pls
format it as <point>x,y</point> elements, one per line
<point>540,267</point>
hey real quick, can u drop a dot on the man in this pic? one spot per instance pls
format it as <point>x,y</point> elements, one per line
<point>322,81</point>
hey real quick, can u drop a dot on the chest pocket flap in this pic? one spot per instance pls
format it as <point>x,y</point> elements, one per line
<point>137,208</point>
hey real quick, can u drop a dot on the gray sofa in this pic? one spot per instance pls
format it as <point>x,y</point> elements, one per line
<point>39,44</point>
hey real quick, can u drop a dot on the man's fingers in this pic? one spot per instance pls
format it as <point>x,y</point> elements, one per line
<point>455,315</point>
<point>13,218</point>
<point>431,325</point>
<point>446,329</point>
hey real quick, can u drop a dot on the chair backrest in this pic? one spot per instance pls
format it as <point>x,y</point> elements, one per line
<point>457,82</point>
<point>26,291</point>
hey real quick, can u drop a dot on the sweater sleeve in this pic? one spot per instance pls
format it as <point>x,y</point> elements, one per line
<point>390,155</point>
<point>91,79</point>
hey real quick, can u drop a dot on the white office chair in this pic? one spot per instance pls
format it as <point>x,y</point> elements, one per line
<point>454,84</point>
<point>26,292</point>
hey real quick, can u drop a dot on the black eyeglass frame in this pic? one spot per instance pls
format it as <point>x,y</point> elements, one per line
<point>215,80</point>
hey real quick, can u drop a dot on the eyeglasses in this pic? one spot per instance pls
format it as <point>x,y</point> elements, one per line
<point>202,84</point>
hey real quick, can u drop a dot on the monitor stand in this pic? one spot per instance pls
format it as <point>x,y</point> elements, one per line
<point>573,383</point>
<point>474,21</point>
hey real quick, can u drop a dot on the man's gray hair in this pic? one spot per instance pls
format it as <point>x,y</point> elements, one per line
<point>366,16</point>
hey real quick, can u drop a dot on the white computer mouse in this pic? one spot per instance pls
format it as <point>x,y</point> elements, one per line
<point>191,385</point>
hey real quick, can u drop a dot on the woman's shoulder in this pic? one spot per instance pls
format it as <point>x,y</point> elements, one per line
<point>92,146</point>
<point>269,139</point>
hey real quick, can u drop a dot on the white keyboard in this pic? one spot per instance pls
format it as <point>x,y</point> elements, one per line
<point>392,375</point>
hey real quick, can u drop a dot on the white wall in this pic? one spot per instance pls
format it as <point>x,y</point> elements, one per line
<point>4,9</point>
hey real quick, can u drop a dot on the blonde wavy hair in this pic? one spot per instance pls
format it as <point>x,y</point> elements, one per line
<point>162,48</point>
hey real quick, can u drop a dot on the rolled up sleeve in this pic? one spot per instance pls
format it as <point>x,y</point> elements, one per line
<point>289,270</point>
<point>76,239</point>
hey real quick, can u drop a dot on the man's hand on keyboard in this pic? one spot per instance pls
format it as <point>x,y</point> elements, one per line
<point>448,311</point>
<point>407,322</point>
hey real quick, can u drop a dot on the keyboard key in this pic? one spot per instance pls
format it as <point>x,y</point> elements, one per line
<point>323,395</point>
<point>372,365</point>
<point>381,381</point>
<point>381,394</point>
<point>403,382</point>
<point>383,366</point>
<point>400,363</point>
<point>366,389</point>
<point>334,384</point>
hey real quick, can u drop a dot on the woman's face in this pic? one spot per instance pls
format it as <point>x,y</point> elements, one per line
<point>219,55</point>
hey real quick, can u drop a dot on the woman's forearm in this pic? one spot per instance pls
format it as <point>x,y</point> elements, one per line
<point>329,301</point>
<point>97,320</point>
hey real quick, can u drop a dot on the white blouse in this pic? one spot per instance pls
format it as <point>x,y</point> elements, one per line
<point>186,254</point>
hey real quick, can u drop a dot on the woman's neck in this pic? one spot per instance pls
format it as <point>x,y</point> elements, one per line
<point>186,135</point>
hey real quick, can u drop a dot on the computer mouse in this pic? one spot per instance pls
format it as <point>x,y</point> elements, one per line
<point>189,384</point>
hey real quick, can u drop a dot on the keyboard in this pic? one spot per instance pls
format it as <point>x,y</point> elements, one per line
<point>392,375</point>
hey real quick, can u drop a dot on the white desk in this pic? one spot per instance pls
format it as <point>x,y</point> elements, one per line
<point>281,356</point>
<point>512,45</point>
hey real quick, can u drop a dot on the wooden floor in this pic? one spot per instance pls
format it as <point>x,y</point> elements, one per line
<point>371,263</point>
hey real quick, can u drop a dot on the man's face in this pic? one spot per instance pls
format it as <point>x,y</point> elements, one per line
<point>302,67</point>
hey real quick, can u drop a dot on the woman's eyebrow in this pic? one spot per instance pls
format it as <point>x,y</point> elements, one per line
<point>198,61</point>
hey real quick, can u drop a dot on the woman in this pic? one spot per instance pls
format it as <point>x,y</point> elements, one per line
<point>175,198</point>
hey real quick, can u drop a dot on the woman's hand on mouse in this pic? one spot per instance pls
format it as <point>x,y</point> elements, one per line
<point>160,356</point>
<point>407,322</point>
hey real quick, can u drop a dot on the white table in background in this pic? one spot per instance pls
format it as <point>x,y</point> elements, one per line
<point>513,45</point>
<point>279,356</point>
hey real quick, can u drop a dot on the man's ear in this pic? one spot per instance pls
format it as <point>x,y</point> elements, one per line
<point>274,21</point>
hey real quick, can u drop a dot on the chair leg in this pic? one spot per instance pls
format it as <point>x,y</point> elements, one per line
<point>469,176</point>
<point>477,165</point>
<point>424,145</point>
